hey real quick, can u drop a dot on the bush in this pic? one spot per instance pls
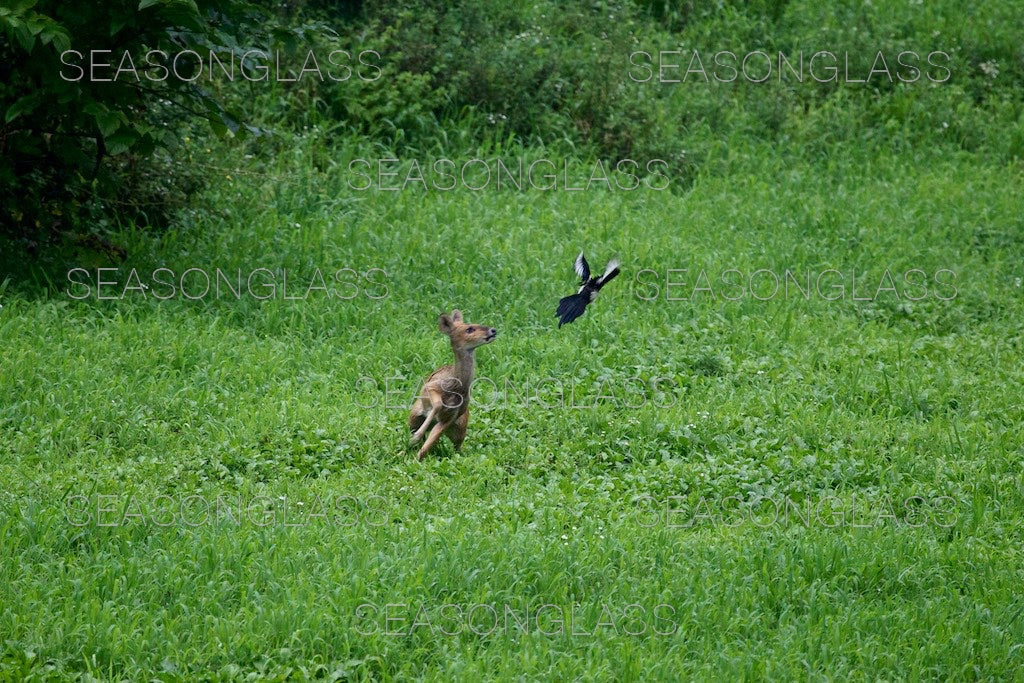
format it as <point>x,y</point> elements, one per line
<point>61,125</point>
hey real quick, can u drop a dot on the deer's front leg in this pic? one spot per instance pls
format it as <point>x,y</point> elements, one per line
<point>435,434</point>
<point>434,397</point>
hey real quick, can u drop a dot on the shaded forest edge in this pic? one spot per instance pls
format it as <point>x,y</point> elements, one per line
<point>95,101</point>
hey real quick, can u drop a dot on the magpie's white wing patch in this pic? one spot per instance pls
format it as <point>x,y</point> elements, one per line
<point>582,267</point>
<point>610,271</point>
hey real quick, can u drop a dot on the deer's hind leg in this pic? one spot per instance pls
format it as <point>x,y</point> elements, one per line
<point>417,416</point>
<point>435,434</point>
<point>457,429</point>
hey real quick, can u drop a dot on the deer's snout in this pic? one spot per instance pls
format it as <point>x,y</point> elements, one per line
<point>491,334</point>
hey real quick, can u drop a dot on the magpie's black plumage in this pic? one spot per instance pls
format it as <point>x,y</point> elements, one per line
<point>572,307</point>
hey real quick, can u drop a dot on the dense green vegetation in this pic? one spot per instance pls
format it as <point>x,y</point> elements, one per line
<point>162,454</point>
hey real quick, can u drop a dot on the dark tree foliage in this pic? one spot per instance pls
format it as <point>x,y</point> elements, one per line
<point>82,94</point>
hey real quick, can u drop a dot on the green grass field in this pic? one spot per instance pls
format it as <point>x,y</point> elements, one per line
<point>134,429</point>
<point>706,477</point>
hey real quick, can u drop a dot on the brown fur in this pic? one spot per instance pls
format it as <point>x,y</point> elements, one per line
<point>443,403</point>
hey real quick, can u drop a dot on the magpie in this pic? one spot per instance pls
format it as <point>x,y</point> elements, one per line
<point>572,307</point>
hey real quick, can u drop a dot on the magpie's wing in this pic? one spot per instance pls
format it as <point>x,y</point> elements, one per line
<point>582,267</point>
<point>610,271</point>
<point>571,307</point>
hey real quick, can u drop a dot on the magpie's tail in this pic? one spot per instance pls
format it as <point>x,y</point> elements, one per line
<point>571,307</point>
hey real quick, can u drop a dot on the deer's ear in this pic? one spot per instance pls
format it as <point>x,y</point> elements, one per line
<point>445,324</point>
<point>457,315</point>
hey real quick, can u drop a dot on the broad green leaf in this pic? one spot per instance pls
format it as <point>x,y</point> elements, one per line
<point>24,37</point>
<point>108,122</point>
<point>120,142</point>
<point>21,106</point>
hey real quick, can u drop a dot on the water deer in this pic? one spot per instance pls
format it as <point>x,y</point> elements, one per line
<point>443,403</point>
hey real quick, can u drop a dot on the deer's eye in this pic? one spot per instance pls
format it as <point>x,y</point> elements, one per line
<point>470,330</point>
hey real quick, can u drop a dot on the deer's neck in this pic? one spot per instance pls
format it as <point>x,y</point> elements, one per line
<point>464,365</point>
